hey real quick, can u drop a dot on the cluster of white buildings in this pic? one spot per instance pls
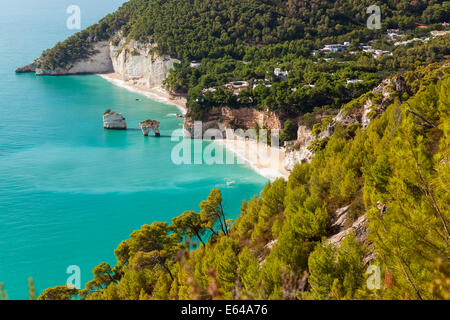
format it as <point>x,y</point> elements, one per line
<point>404,43</point>
<point>433,34</point>
<point>238,86</point>
<point>376,53</point>
<point>393,34</point>
<point>335,48</point>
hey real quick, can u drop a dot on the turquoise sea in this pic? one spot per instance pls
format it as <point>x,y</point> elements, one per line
<point>69,190</point>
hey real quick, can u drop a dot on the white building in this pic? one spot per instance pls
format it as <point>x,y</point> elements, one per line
<point>334,48</point>
<point>281,74</point>
<point>195,64</point>
<point>354,81</point>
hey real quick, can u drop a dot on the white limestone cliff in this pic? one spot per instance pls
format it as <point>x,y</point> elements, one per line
<point>98,62</point>
<point>134,62</point>
<point>139,64</point>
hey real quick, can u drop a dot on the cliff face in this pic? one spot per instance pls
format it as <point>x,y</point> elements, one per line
<point>98,62</point>
<point>134,62</point>
<point>138,63</point>
<point>301,153</point>
<point>227,118</point>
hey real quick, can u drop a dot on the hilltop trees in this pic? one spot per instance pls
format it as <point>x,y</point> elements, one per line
<point>247,39</point>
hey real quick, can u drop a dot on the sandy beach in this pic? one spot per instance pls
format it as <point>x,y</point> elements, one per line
<point>266,160</point>
<point>156,93</point>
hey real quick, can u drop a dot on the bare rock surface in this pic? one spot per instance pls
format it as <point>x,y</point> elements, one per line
<point>300,153</point>
<point>98,62</point>
<point>149,125</point>
<point>138,63</point>
<point>339,231</point>
<point>114,120</point>
<point>227,118</point>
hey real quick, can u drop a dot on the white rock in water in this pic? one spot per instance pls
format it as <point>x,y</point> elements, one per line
<point>114,120</point>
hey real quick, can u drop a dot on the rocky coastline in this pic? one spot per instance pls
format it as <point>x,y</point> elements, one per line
<point>136,67</point>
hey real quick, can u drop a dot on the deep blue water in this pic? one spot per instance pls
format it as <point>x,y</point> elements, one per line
<point>69,190</point>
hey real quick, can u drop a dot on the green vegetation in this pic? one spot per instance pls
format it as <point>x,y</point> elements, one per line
<point>395,173</point>
<point>214,29</point>
<point>247,39</point>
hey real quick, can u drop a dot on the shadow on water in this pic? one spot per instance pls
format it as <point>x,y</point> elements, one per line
<point>150,135</point>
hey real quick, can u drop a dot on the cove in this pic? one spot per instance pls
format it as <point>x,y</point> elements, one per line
<point>71,191</point>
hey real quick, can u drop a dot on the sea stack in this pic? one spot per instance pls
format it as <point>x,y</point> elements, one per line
<point>148,125</point>
<point>114,120</point>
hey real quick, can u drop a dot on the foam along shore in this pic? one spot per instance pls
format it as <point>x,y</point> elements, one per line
<point>156,93</point>
<point>264,159</point>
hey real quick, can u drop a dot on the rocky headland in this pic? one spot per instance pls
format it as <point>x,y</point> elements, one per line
<point>137,67</point>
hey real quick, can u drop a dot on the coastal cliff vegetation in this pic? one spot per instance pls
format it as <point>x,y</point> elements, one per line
<point>394,175</point>
<point>246,40</point>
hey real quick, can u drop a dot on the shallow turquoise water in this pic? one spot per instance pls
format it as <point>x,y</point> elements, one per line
<point>69,190</point>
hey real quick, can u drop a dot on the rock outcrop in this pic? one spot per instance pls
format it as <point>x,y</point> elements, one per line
<point>377,102</point>
<point>28,68</point>
<point>300,152</point>
<point>114,120</point>
<point>148,125</point>
<point>134,62</point>
<point>98,62</point>
<point>339,230</point>
<point>226,118</point>
<point>138,63</point>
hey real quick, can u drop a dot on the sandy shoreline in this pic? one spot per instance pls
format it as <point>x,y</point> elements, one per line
<point>156,93</point>
<point>265,160</point>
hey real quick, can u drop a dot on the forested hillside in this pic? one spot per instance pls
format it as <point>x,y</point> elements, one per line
<point>246,40</point>
<point>392,177</point>
<point>394,174</point>
<point>199,29</point>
